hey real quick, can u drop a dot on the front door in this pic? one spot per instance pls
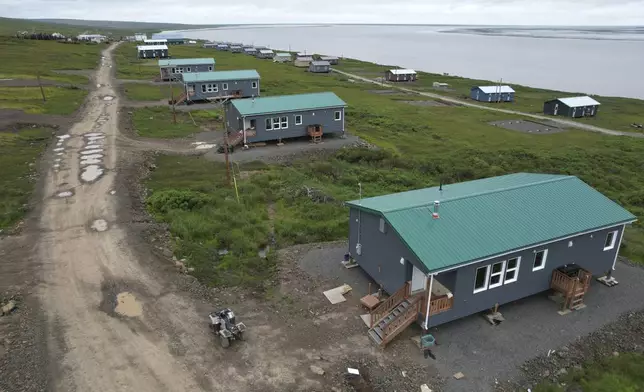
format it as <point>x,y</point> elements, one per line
<point>556,109</point>
<point>418,280</point>
<point>574,111</point>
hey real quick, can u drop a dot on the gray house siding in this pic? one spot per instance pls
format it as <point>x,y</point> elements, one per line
<point>586,251</point>
<point>243,87</point>
<point>557,108</point>
<point>166,72</point>
<point>151,54</point>
<point>400,77</point>
<point>319,68</point>
<point>382,250</point>
<point>478,95</point>
<point>324,117</point>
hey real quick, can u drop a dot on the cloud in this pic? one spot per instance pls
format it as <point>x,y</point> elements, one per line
<point>514,12</point>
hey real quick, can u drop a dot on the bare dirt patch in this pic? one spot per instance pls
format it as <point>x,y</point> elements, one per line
<point>13,118</point>
<point>539,128</point>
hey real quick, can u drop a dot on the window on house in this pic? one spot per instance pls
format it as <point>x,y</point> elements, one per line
<point>284,121</point>
<point>173,70</point>
<point>298,119</point>
<point>540,260</point>
<point>512,270</point>
<point>210,68</point>
<point>211,88</point>
<point>254,84</point>
<point>480,281</point>
<point>269,124</point>
<point>382,227</point>
<point>203,88</point>
<point>496,275</point>
<point>338,115</point>
<point>188,69</point>
<point>276,123</point>
<point>610,240</point>
<point>225,86</point>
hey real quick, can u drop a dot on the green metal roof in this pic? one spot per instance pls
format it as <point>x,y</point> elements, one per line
<point>195,61</point>
<point>287,103</point>
<point>220,76</point>
<point>487,217</point>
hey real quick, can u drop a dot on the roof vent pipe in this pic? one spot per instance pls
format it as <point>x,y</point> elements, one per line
<point>436,207</point>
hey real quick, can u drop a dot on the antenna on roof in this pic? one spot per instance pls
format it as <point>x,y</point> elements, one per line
<point>440,186</point>
<point>435,215</point>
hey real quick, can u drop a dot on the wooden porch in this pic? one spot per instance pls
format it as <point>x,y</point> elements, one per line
<point>572,282</point>
<point>401,309</point>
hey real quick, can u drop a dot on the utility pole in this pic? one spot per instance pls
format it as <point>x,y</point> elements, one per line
<point>498,98</point>
<point>174,112</point>
<point>42,92</point>
<point>226,154</point>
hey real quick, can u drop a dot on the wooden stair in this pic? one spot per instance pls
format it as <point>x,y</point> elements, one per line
<point>180,99</point>
<point>396,321</point>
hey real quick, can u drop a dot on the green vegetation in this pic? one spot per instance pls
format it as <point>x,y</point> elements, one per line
<point>18,153</point>
<point>616,374</point>
<point>147,92</point>
<point>614,113</point>
<point>157,122</point>
<point>60,100</point>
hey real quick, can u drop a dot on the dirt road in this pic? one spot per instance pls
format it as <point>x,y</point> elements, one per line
<point>565,123</point>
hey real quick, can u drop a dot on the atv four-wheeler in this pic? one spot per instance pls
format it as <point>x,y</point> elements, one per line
<point>223,324</point>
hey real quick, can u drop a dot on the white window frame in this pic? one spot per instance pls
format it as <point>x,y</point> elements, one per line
<point>515,269</point>
<point>543,261</point>
<point>203,88</point>
<point>500,274</point>
<point>224,86</point>
<point>268,123</point>
<point>276,122</point>
<point>172,70</point>
<point>298,116</point>
<point>210,68</point>
<point>485,281</point>
<point>188,69</point>
<point>284,122</point>
<point>613,240</point>
<point>254,84</point>
<point>211,88</point>
<point>337,116</point>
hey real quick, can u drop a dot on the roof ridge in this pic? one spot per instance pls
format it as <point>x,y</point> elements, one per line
<point>559,178</point>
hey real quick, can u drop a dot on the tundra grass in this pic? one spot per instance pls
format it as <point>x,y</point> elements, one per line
<point>59,100</point>
<point>419,147</point>
<point>18,154</point>
<point>614,113</point>
<point>146,92</point>
<point>158,122</point>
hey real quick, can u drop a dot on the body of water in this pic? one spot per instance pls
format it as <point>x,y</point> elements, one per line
<point>606,61</point>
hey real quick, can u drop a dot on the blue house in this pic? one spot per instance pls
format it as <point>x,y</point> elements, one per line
<point>492,93</point>
<point>448,252</point>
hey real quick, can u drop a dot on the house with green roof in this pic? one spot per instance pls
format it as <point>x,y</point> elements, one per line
<point>219,85</point>
<point>170,69</point>
<point>285,116</point>
<point>451,251</point>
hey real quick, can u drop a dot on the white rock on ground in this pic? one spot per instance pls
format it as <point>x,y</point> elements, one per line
<point>317,370</point>
<point>9,307</point>
<point>425,388</point>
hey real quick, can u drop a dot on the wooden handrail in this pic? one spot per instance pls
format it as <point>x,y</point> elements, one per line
<point>440,305</point>
<point>389,304</point>
<point>402,321</point>
<point>560,281</point>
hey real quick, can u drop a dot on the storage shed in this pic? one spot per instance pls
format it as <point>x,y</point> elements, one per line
<point>303,62</point>
<point>331,59</point>
<point>236,49</point>
<point>265,54</point>
<point>492,93</point>
<point>204,86</point>
<point>401,75</point>
<point>152,51</point>
<point>572,107</point>
<point>282,117</point>
<point>171,69</point>
<point>223,46</point>
<point>320,67</point>
<point>282,57</point>
<point>250,51</point>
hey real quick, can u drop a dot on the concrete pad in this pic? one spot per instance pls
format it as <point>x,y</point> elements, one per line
<point>367,319</point>
<point>336,295</point>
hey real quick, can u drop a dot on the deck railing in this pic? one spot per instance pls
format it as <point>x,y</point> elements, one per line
<point>403,320</point>
<point>440,305</point>
<point>389,304</point>
<point>561,282</point>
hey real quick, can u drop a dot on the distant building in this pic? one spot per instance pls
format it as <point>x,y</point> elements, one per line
<point>96,38</point>
<point>171,39</point>
<point>282,58</point>
<point>250,51</point>
<point>400,75</point>
<point>331,59</point>
<point>265,54</point>
<point>152,51</point>
<point>236,48</point>
<point>572,107</point>
<point>217,85</point>
<point>492,93</point>
<point>159,41</point>
<point>171,69</point>
<point>440,85</point>
<point>319,67</point>
<point>303,62</point>
<point>140,37</point>
<point>223,46</point>
<point>210,45</point>
<point>282,117</point>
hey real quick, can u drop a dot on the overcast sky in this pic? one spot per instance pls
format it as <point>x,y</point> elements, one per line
<point>513,12</point>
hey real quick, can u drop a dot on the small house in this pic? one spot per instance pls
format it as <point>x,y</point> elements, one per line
<point>210,45</point>
<point>302,54</point>
<point>303,62</point>
<point>572,107</point>
<point>222,46</point>
<point>440,85</point>
<point>282,57</point>
<point>331,59</point>
<point>282,117</point>
<point>157,41</point>
<point>492,93</point>
<point>217,85</point>
<point>141,37</point>
<point>236,49</point>
<point>401,75</point>
<point>250,51</point>
<point>265,54</point>
<point>171,69</point>
<point>171,39</point>
<point>96,38</point>
<point>152,51</point>
<point>319,67</point>
<point>451,251</point>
